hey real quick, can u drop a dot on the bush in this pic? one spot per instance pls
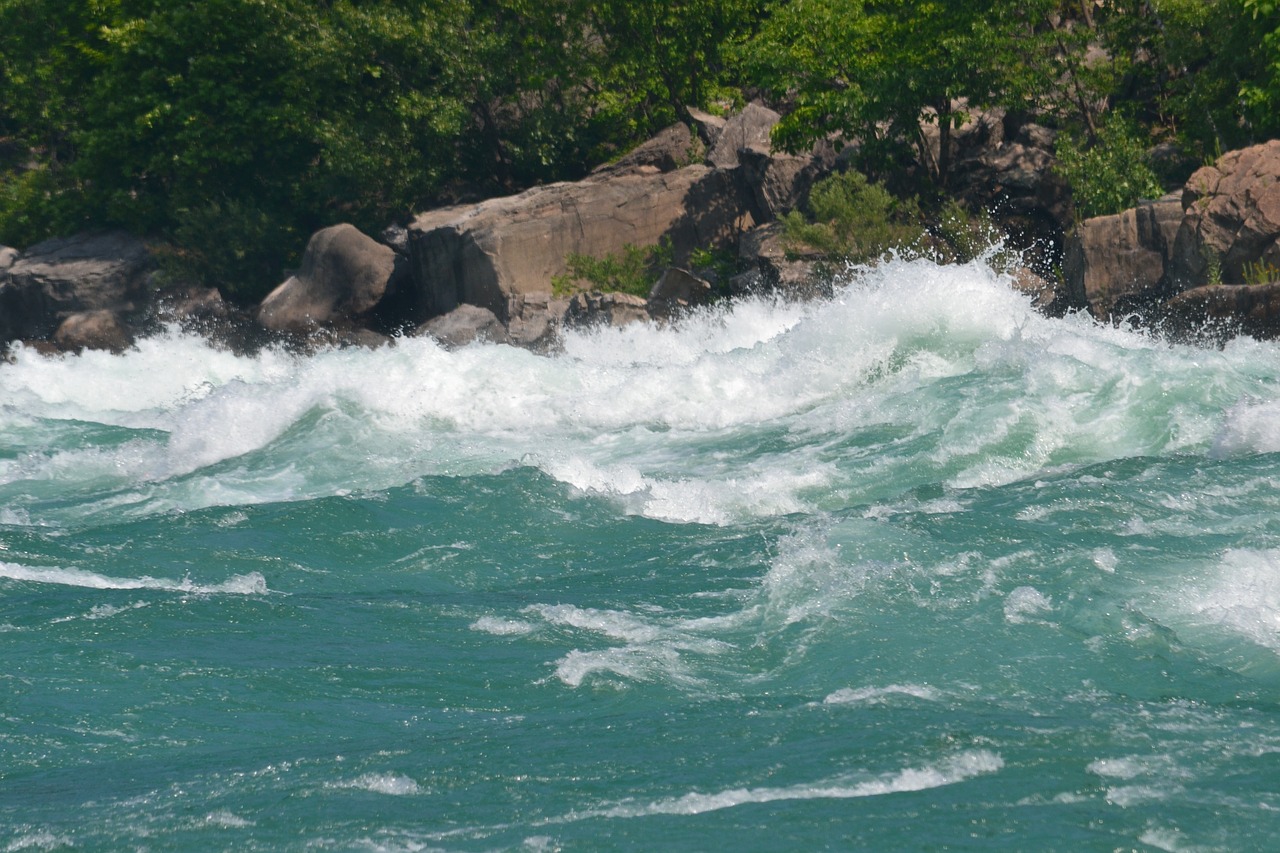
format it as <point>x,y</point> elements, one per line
<point>852,219</point>
<point>1110,175</point>
<point>633,272</point>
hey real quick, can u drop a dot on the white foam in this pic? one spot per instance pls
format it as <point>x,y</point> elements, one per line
<point>950,771</point>
<point>1026,604</point>
<point>1240,595</point>
<point>654,418</point>
<point>880,695</point>
<point>502,627</point>
<point>249,584</point>
<point>390,784</point>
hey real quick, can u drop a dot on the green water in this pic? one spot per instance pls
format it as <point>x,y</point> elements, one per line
<point>913,569</point>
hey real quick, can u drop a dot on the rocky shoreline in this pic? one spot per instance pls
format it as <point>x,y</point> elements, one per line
<point>1201,262</point>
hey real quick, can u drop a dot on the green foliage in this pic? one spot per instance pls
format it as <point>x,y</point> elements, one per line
<point>1260,272</point>
<point>1112,174</point>
<point>852,219</point>
<point>876,71</point>
<point>233,244</point>
<point>1213,265</point>
<point>633,272</point>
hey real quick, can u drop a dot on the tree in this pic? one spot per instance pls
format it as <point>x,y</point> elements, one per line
<point>875,71</point>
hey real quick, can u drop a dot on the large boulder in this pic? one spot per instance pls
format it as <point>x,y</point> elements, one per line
<point>100,329</point>
<point>98,271</point>
<point>1215,312</point>
<point>1232,219</point>
<point>772,266</point>
<point>1116,264</point>
<point>781,182</point>
<point>464,325</point>
<point>751,127</point>
<point>343,277</point>
<point>501,251</point>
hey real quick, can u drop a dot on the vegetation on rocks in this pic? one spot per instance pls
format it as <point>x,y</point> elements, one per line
<point>230,130</point>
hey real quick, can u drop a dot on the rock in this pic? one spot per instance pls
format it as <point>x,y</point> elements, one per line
<point>496,252</point>
<point>69,275</point>
<point>675,291</point>
<point>1117,264</point>
<point>708,126</point>
<point>773,268</point>
<point>670,149</point>
<point>781,182</point>
<point>8,256</point>
<point>749,128</point>
<point>1232,215</point>
<point>605,309</point>
<point>99,329</point>
<point>535,321</point>
<point>463,325</point>
<point>344,275</point>
<point>1045,296</point>
<point>680,285</point>
<point>1216,312</point>
<point>397,237</point>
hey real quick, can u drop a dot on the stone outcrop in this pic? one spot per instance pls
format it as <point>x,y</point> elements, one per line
<point>749,128</point>
<point>605,309</point>
<point>98,329</point>
<point>344,275</point>
<point>1232,218</point>
<point>497,252</point>
<point>1118,264</point>
<point>1215,312</point>
<point>676,290</point>
<point>772,268</point>
<point>671,149</point>
<point>91,272</point>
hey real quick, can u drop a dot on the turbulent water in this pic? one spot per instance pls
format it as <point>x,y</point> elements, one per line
<point>913,568</point>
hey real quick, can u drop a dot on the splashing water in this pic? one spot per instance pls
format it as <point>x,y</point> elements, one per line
<point>901,569</point>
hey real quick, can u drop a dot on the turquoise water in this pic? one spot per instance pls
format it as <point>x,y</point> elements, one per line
<point>914,568</point>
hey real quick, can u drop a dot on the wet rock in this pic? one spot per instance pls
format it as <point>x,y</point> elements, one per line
<point>69,275</point>
<point>1118,264</point>
<point>464,325</point>
<point>344,275</point>
<point>100,329</point>
<point>605,309</point>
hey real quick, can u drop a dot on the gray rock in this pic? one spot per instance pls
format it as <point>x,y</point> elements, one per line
<point>781,182</point>
<point>605,309</point>
<point>1215,312</point>
<point>671,149</point>
<point>464,325</point>
<point>64,276</point>
<point>1116,264</point>
<point>498,252</point>
<point>8,256</point>
<point>100,329</point>
<point>708,126</point>
<point>344,275</point>
<point>773,268</point>
<point>749,128</point>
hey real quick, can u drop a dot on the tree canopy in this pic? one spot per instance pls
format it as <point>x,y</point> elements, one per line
<point>232,128</point>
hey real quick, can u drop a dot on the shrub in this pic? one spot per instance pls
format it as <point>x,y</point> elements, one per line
<point>633,272</point>
<point>853,219</point>
<point>1110,175</point>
